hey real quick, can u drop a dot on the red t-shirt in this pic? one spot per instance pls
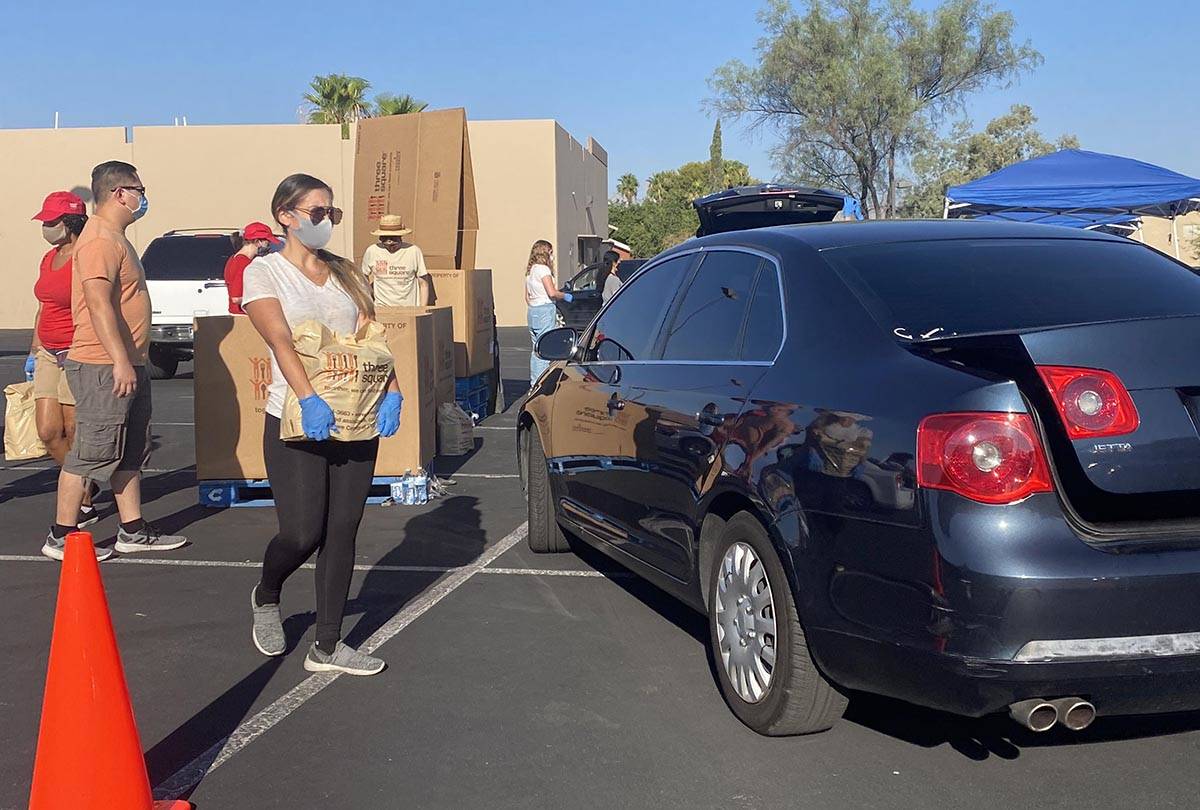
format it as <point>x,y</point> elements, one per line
<point>234,268</point>
<point>55,327</point>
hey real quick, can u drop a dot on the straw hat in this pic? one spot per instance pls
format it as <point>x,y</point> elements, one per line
<point>391,225</point>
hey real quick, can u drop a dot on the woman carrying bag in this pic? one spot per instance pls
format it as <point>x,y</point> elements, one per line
<point>320,485</point>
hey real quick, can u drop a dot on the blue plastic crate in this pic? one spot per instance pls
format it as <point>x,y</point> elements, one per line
<point>232,493</point>
<point>465,386</point>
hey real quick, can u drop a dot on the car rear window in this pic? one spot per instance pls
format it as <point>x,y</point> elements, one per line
<point>927,290</point>
<point>187,258</point>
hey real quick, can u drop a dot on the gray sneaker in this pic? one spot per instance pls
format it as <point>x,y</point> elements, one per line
<point>56,549</point>
<point>268,627</point>
<point>148,539</point>
<point>344,659</point>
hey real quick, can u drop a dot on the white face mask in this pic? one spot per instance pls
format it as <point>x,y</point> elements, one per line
<point>54,233</point>
<point>312,236</point>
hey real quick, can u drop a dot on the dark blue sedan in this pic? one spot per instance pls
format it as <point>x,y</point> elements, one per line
<point>955,463</point>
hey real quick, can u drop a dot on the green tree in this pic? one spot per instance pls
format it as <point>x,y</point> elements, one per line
<point>391,104</point>
<point>716,163</point>
<point>627,188</point>
<point>665,217</point>
<point>852,86</point>
<point>338,99</point>
<point>965,155</point>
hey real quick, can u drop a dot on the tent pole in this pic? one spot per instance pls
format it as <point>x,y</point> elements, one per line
<point>1175,234</point>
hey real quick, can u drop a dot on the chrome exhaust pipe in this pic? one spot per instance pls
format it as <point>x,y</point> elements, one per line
<point>1035,714</point>
<point>1075,713</point>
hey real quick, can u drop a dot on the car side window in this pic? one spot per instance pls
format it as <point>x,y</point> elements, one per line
<point>708,323</point>
<point>628,327</point>
<point>764,327</point>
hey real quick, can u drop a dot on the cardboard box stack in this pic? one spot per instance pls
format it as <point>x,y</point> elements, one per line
<point>410,336</point>
<point>443,350</point>
<point>419,166</point>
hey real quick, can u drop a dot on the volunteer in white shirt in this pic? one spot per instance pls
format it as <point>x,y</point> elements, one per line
<point>395,268</point>
<point>320,486</point>
<point>540,294</point>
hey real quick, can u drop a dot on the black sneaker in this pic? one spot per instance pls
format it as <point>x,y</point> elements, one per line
<point>87,516</point>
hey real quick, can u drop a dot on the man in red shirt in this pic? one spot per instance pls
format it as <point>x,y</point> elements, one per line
<point>258,240</point>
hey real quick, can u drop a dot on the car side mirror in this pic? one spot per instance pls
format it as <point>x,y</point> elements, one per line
<point>557,344</point>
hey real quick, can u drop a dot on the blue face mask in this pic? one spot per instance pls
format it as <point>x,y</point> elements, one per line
<point>141,210</point>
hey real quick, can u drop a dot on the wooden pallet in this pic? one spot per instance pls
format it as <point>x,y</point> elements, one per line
<point>231,493</point>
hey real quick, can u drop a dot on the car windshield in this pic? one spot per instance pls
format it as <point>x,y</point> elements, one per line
<point>939,289</point>
<point>187,258</point>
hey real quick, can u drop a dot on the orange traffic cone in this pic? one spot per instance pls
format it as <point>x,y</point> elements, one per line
<point>89,756</point>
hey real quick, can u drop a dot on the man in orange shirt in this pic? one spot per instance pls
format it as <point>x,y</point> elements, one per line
<point>106,367</point>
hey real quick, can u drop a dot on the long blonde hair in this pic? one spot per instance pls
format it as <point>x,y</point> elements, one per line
<point>540,253</point>
<point>287,196</point>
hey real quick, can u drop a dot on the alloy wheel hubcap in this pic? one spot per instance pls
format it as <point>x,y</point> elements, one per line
<point>745,618</point>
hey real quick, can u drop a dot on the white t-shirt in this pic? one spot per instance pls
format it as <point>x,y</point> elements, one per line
<point>535,291</point>
<point>273,276</point>
<point>395,275</point>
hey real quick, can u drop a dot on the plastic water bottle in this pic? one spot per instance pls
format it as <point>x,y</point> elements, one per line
<point>407,483</point>
<point>421,487</point>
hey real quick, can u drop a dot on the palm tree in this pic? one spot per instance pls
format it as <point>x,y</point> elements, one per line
<point>627,188</point>
<point>338,99</point>
<point>391,104</point>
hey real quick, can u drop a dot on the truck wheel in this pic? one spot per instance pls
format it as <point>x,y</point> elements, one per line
<point>545,535</point>
<point>161,365</point>
<point>765,671</point>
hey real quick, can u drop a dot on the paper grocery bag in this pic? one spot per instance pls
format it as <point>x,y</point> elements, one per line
<point>21,440</point>
<point>349,372</point>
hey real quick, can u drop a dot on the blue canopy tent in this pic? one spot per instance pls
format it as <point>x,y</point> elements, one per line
<point>1086,187</point>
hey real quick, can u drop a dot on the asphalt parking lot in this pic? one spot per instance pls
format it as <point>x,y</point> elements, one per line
<point>514,680</point>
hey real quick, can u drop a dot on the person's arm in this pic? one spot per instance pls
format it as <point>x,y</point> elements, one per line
<point>552,289</point>
<point>424,289</point>
<point>366,269</point>
<point>234,270</point>
<point>267,316</point>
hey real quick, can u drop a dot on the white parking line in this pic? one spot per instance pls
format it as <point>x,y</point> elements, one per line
<point>396,569</point>
<point>219,753</point>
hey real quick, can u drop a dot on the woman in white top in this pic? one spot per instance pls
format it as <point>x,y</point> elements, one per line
<point>540,294</point>
<point>319,486</point>
<point>612,282</point>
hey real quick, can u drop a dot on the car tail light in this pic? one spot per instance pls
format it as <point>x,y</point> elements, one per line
<point>1092,403</point>
<point>992,458</point>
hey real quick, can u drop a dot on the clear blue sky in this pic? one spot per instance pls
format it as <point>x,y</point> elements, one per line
<point>631,74</point>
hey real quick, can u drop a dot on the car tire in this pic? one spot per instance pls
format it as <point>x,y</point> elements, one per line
<point>545,535</point>
<point>778,692</point>
<point>161,366</point>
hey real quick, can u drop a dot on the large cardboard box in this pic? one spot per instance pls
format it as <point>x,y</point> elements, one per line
<point>469,294</point>
<point>232,374</point>
<point>418,166</point>
<point>443,350</point>
<point>410,337</point>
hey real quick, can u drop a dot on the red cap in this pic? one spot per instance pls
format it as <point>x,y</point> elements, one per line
<point>256,230</point>
<point>59,203</point>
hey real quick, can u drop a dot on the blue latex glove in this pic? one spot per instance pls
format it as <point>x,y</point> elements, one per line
<point>568,297</point>
<point>387,421</point>
<point>30,365</point>
<point>316,418</point>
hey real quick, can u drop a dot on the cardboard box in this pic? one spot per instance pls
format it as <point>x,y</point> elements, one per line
<point>418,166</point>
<point>232,374</point>
<point>469,294</point>
<point>443,349</point>
<point>410,337</point>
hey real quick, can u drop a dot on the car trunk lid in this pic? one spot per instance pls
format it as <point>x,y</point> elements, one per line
<point>746,207</point>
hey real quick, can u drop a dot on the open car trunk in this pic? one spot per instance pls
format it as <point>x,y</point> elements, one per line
<point>746,207</point>
<point>1144,483</point>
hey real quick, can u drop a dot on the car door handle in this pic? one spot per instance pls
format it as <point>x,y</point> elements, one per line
<point>211,284</point>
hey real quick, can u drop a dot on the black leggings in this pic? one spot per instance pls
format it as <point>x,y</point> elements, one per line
<point>320,489</point>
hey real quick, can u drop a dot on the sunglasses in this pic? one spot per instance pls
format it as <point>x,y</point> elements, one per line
<point>139,189</point>
<point>318,213</point>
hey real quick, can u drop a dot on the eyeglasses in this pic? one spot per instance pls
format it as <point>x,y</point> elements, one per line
<point>318,213</point>
<point>139,189</point>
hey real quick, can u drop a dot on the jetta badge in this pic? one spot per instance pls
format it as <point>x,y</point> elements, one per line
<point>1116,447</point>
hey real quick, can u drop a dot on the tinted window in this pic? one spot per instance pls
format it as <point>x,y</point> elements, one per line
<point>628,328</point>
<point>971,286</point>
<point>708,324</point>
<point>764,327</point>
<point>586,280</point>
<point>187,258</point>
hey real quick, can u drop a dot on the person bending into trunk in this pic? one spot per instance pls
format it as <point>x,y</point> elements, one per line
<point>320,486</point>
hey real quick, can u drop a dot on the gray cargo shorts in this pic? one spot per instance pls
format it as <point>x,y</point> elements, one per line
<point>112,434</point>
